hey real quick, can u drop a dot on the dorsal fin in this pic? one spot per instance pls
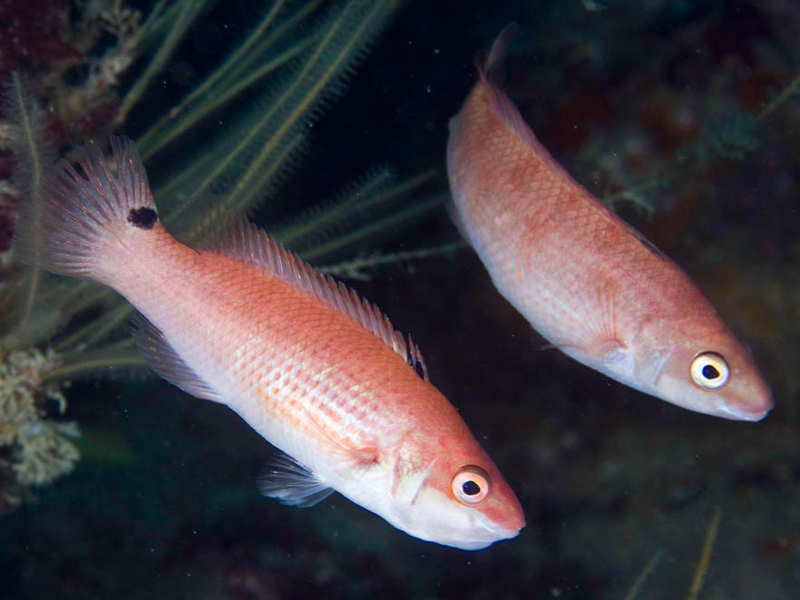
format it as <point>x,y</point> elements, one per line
<point>503,106</point>
<point>490,63</point>
<point>490,66</point>
<point>246,242</point>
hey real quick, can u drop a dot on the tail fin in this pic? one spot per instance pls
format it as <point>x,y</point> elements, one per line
<point>77,217</point>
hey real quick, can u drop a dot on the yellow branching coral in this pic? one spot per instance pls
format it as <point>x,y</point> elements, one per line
<point>34,449</point>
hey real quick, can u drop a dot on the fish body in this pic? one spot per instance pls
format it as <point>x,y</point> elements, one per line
<point>585,279</point>
<point>311,367</point>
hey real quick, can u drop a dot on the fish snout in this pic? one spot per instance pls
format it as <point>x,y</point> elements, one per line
<point>510,529</point>
<point>509,518</point>
<point>513,523</point>
<point>489,533</point>
<point>755,409</point>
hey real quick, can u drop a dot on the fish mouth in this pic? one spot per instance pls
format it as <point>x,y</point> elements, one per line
<point>487,532</point>
<point>747,414</point>
<point>503,530</point>
<point>508,534</point>
<point>488,536</point>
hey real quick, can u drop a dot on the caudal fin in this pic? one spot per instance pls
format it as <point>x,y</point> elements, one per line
<point>78,217</point>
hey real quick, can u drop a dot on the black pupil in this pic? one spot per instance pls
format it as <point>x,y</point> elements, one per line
<point>470,488</point>
<point>710,372</point>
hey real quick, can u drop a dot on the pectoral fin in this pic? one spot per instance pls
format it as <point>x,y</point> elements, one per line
<point>292,483</point>
<point>612,351</point>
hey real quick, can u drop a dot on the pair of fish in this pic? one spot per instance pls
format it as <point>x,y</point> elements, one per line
<point>323,375</point>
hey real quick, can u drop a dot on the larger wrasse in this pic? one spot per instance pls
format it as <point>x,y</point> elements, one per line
<point>303,360</point>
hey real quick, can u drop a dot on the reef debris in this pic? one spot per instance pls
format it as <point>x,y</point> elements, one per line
<point>35,447</point>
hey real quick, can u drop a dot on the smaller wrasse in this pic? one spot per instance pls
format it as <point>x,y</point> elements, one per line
<point>315,370</point>
<point>585,279</point>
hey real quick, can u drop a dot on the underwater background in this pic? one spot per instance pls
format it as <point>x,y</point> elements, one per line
<point>680,114</point>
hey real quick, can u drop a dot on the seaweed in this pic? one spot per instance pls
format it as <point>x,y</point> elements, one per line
<point>701,569</point>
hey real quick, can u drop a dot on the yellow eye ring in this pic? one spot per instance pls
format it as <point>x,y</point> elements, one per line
<point>471,485</point>
<point>710,371</point>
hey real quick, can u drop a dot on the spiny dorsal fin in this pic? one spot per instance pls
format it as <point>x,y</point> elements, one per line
<point>502,105</point>
<point>490,63</point>
<point>291,482</point>
<point>246,242</point>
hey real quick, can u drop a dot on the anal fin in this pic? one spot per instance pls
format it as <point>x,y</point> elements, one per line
<point>162,358</point>
<point>290,482</point>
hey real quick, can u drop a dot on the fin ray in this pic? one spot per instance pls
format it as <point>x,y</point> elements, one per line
<point>292,483</point>
<point>247,242</point>
<point>65,229</point>
<point>164,360</point>
<point>503,106</point>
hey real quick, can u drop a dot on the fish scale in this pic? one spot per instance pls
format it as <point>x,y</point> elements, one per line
<point>290,353</point>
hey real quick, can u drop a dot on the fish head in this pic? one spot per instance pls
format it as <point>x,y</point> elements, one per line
<point>711,371</point>
<point>455,498</point>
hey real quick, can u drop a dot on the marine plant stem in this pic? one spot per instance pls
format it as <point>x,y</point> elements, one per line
<point>705,556</point>
<point>316,252</point>
<point>322,218</point>
<point>239,69</point>
<point>155,20</point>
<point>97,329</point>
<point>355,269</point>
<point>82,295</point>
<point>362,202</point>
<point>161,135</point>
<point>646,572</point>
<point>94,362</point>
<point>166,129</point>
<point>780,98</point>
<point>34,175</point>
<point>260,173</point>
<point>189,11</point>
<point>320,70</point>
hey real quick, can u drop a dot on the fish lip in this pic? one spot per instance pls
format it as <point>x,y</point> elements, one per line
<point>516,524</point>
<point>511,533</point>
<point>747,415</point>
<point>507,530</point>
<point>496,531</point>
<point>490,536</point>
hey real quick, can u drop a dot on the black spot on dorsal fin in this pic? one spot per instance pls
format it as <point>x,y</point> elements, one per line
<point>143,217</point>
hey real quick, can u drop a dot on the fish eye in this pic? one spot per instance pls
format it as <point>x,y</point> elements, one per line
<point>471,485</point>
<point>710,371</point>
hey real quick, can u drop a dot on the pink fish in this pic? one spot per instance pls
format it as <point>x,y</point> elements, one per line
<point>585,279</point>
<point>317,371</point>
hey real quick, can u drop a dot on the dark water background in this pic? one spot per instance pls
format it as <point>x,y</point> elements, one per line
<point>164,504</point>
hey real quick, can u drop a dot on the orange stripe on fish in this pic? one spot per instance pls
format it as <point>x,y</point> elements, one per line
<point>316,370</point>
<point>585,279</point>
